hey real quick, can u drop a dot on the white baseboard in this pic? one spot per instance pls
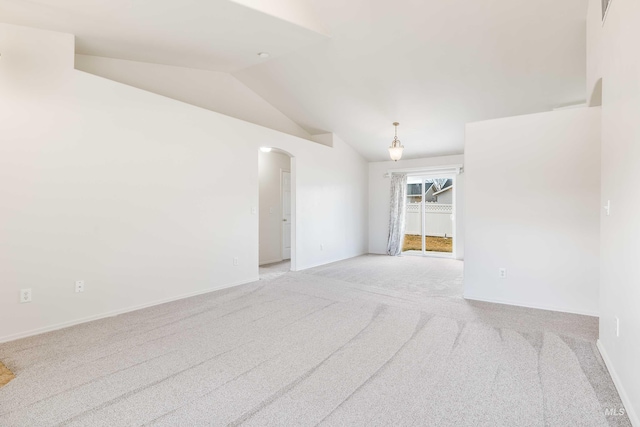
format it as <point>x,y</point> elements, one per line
<point>538,307</point>
<point>113,313</point>
<point>630,410</point>
<point>271,261</point>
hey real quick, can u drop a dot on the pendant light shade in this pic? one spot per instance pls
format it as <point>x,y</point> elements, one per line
<point>395,150</point>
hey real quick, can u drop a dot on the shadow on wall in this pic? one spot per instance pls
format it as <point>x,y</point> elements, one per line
<point>595,100</point>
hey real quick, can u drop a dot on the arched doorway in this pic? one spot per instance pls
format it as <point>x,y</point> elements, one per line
<point>276,235</point>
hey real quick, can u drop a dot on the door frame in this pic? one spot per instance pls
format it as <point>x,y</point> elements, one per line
<point>293,167</point>
<point>454,216</point>
<point>282,199</point>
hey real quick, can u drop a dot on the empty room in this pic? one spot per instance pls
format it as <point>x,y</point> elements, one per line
<point>306,212</point>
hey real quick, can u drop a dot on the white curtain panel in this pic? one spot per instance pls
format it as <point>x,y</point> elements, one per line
<point>398,213</point>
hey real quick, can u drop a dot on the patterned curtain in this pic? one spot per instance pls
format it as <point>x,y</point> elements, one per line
<point>398,211</point>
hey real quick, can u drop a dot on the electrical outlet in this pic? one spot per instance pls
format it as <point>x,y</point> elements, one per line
<point>607,208</point>
<point>502,273</point>
<point>322,247</point>
<point>235,261</point>
<point>79,285</point>
<point>254,210</point>
<point>25,295</point>
<point>617,327</point>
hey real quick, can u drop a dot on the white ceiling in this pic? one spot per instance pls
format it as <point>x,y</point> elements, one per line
<point>432,65</point>
<point>216,35</point>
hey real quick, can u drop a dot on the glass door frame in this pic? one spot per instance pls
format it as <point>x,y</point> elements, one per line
<point>423,178</point>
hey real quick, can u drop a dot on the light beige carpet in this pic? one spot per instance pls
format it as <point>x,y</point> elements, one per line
<point>336,346</point>
<point>407,275</point>
<point>275,270</point>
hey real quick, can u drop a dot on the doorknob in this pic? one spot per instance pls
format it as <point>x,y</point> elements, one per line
<point>284,220</point>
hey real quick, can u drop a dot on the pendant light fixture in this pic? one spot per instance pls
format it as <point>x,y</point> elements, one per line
<point>395,151</point>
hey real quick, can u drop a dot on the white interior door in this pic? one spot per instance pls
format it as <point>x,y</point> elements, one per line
<point>286,215</point>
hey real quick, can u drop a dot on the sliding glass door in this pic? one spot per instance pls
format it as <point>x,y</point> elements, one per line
<point>430,218</point>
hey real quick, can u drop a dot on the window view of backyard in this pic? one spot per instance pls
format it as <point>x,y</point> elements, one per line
<point>413,242</point>
<point>429,207</point>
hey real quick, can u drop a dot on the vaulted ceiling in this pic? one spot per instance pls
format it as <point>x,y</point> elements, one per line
<point>352,67</point>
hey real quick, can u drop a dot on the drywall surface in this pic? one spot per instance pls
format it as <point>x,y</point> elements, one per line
<point>615,46</point>
<point>299,12</point>
<point>271,166</point>
<point>533,207</point>
<point>380,193</point>
<point>333,204</point>
<point>215,91</point>
<point>594,72</point>
<point>144,198</point>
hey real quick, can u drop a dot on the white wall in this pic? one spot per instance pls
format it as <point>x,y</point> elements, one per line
<point>533,207</point>
<point>215,91</point>
<point>333,203</point>
<point>379,195</point>
<point>594,72</point>
<point>614,49</point>
<point>143,197</point>
<point>270,167</point>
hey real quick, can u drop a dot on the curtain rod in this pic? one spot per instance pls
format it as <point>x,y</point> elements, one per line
<point>451,169</point>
